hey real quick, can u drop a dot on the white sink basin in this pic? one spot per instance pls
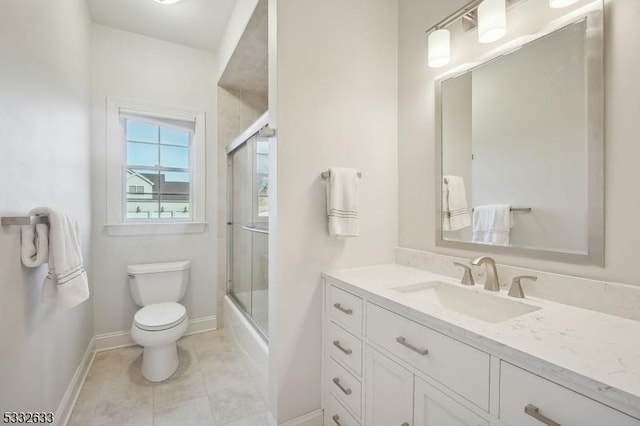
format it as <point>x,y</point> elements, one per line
<point>475,303</point>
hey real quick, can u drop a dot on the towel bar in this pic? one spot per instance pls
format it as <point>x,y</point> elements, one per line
<point>24,220</point>
<point>327,174</point>
<point>518,209</point>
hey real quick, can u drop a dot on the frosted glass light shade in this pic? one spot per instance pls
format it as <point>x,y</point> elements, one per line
<point>557,4</point>
<point>492,20</point>
<point>167,1</point>
<point>439,53</point>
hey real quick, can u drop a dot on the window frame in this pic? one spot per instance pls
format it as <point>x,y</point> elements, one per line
<point>116,170</point>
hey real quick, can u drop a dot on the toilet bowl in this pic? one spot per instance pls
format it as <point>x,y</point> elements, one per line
<point>157,328</point>
<point>161,321</point>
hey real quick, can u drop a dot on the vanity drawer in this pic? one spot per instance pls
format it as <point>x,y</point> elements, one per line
<point>460,367</point>
<point>344,386</point>
<point>336,415</point>
<point>344,347</point>
<point>520,389</point>
<point>345,308</point>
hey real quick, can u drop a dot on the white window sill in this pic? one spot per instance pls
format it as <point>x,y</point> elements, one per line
<point>121,229</point>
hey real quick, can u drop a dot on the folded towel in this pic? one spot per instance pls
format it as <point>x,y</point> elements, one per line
<point>492,224</point>
<point>67,278</point>
<point>342,202</point>
<point>455,212</point>
<point>34,249</point>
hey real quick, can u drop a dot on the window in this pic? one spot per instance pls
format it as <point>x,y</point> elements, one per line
<point>158,171</point>
<point>155,169</point>
<point>262,180</point>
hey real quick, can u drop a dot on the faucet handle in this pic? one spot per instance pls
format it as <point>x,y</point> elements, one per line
<point>516,286</point>
<point>467,278</point>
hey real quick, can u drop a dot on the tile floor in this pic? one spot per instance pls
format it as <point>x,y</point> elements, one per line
<point>210,387</point>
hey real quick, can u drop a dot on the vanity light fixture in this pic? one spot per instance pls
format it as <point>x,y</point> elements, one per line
<point>492,20</point>
<point>439,53</point>
<point>557,4</point>
<point>167,1</point>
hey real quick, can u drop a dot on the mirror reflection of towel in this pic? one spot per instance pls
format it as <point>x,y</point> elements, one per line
<point>455,212</point>
<point>492,224</point>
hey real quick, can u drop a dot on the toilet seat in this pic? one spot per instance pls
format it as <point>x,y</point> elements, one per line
<point>160,316</point>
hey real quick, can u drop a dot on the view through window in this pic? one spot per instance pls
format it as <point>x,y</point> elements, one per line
<point>158,171</point>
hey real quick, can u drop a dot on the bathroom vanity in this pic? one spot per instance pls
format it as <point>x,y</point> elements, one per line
<point>407,347</point>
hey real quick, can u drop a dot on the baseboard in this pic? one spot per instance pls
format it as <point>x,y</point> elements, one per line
<point>314,418</point>
<point>121,339</point>
<point>73,390</point>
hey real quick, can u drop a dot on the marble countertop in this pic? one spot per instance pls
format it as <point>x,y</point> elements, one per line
<point>594,353</point>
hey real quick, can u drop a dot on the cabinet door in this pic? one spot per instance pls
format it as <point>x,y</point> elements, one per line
<point>389,391</point>
<point>434,408</point>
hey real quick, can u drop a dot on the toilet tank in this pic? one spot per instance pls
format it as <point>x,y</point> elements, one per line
<point>158,282</point>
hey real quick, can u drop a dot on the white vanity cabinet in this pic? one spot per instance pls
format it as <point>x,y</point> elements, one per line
<point>432,407</point>
<point>384,369</point>
<point>389,391</point>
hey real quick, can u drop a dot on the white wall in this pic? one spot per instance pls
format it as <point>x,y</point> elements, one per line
<point>132,66</point>
<point>44,161</point>
<point>622,107</point>
<point>335,105</point>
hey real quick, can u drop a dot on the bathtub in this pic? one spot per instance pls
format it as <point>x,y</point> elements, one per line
<point>252,347</point>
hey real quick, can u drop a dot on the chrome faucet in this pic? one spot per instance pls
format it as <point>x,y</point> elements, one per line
<point>491,282</point>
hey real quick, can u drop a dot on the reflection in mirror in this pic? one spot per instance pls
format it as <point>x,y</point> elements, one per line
<point>516,150</point>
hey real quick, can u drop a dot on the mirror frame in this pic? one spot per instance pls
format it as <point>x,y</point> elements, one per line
<point>594,48</point>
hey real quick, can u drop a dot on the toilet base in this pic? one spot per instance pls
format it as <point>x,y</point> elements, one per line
<point>160,362</point>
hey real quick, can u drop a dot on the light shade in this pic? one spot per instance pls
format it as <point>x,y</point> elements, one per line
<point>557,4</point>
<point>167,1</point>
<point>492,20</point>
<point>439,53</point>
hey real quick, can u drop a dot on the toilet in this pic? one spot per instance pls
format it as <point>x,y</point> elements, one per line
<point>157,326</point>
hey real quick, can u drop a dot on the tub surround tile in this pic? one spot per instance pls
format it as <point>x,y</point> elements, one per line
<point>610,298</point>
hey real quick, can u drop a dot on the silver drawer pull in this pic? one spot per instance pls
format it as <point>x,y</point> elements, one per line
<point>341,309</point>
<point>404,342</point>
<point>337,344</point>
<point>336,420</point>
<point>346,391</point>
<point>534,412</point>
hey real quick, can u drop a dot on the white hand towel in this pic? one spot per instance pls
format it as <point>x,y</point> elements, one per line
<point>67,278</point>
<point>492,224</point>
<point>342,202</point>
<point>455,212</point>
<point>34,249</point>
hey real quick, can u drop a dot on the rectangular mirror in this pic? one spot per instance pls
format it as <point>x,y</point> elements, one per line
<point>521,147</point>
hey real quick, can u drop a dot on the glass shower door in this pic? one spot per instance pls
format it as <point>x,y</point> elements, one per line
<point>248,230</point>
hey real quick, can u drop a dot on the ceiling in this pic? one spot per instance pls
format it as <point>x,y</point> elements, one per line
<point>194,23</point>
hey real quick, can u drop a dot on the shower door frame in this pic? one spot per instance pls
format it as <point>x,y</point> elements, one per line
<point>259,128</point>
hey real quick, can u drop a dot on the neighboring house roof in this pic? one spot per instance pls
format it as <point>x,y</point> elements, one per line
<point>171,191</point>
<point>141,176</point>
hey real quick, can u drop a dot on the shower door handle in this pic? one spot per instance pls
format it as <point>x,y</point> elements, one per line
<point>255,229</point>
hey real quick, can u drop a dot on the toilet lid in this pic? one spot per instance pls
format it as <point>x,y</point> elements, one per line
<point>160,316</point>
